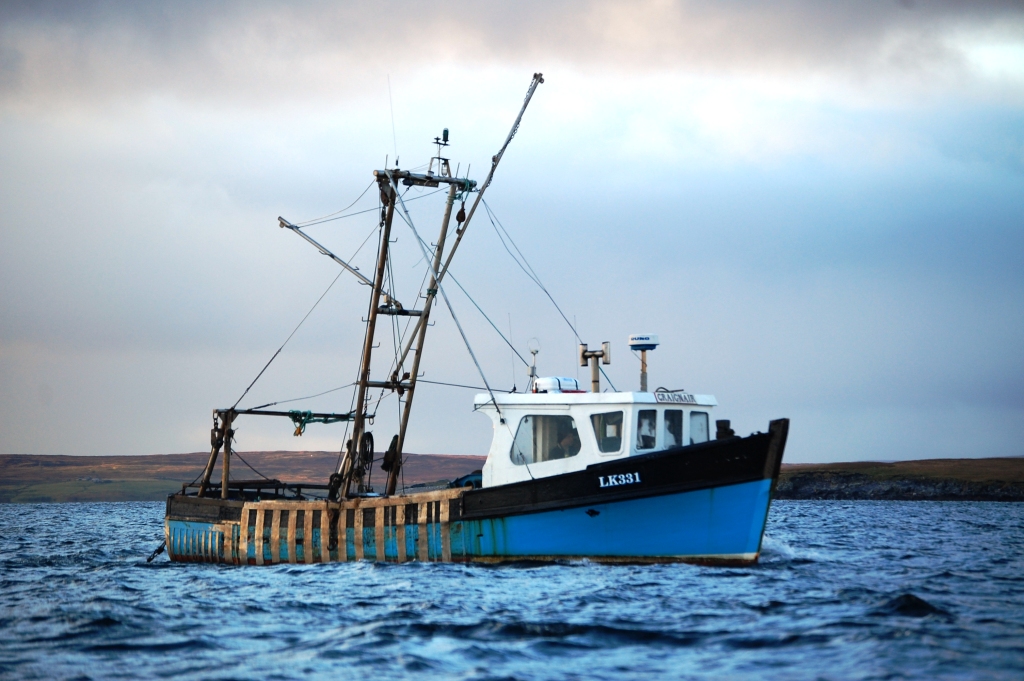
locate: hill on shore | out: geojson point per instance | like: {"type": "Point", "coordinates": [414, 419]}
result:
{"type": "Point", "coordinates": [29, 478]}
{"type": "Point", "coordinates": [992, 479]}
{"type": "Point", "coordinates": [33, 478]}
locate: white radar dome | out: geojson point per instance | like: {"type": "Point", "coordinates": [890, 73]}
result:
{"type": "Point", "coordinates": [643, 341]}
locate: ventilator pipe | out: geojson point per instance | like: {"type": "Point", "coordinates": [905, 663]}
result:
{"type": "Point", "coordinates": [604, 354]}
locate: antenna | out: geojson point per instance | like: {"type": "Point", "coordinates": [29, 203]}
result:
{"type": "Point", "coordinates": [394, 138]}
{"type": "Point", "coordinates": [534, 346]}
{"type": "Point", "coordinates": [643, 342]}
{"type": "Point", "coordinates": [443, 166]}
{"type": "Point", "coordinates": [512, 354]}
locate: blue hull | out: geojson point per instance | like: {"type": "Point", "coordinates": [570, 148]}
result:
{"type": "Point", "coordinates": [722, 524]}
{"type": "Point", "coordinates": [717, 525]}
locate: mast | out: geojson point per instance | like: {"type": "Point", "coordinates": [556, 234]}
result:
{"type": "Point", "coordinates": [229, 433]}
{"type": "Point", "coordinates": [352, 468]}
{"type": "Point", "coordinates": [360, 447]}
{"type": "Point", "coordinates": [394, 459]}
{"type": "Point", "coordinates": [395, 463]}
{"type": "Point", "coordinates": [219, 436]}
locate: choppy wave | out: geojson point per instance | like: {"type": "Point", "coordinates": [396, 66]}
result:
{"type": "Point", "coordinates": [863, 590]}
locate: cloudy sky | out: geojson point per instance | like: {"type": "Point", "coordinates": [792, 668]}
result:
{"type": "Point", "coordinates": [818, 206]}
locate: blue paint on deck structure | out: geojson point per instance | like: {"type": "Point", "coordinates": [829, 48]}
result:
{"type": "Point", "coordinates": [390, 543]}
{"type": "Point", "coordinates": [317, 545]}
{"type": "Point", "coordinates": [195, 541]}
{"type": "Point", "coordinates": [724, 521]}
{"type": "Point", "coordinates": [350, 543]}
{"type": "Point", "coordinates": [369, 543]}
{"type": "Point", "coordinates": [268, 556]}
{"type": "Point", "coordinates": [434, 541]}
{"type": "Point", "coordinates": [412, 533]}
{"type": "Point", "coordinates": [250, 553]}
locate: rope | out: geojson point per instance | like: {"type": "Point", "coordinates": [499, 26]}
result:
{"type": "Point", "coordinates": [250, 466]}
{"type": "Point", "coordinates": [198, 476]}
{"type": "Point", "coordinates": [302, 418]}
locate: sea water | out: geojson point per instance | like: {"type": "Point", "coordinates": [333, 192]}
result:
{"type": "Point", "coordinates": [844, 590]}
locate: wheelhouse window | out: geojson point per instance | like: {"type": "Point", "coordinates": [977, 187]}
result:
{"type": "Point", "coordinates": [608, 430]}
{"type": "Point", "coordinates": [544, 438]}
{"type": "Point", "coordinates": [698, 427]}
{"type": "Point", "coordinates": [646, 424]}
{"type": "Point", "coordinates": [673, 428]}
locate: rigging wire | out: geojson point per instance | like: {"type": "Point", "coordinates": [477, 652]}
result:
{"type": "Point", "coordinates": [493, 326]}
{"type": "Point", "coordinates": [524, 265]}
{"type": "Point", "coordinates": [307, 222]}
{"type": "Point", "coordinates": [307, 397]}
{"type": "Point", "coordinates": [300, 324]}
{"type": "Point", "coordinates": [408, 220]}
{"type": "Point", "coordinates": [287, 339]}
{"type": "Point", "coordinates": [360, 212]}
{"type": "Point", "coordinates": [387, 285]}
{"type": "Point", "coordinates": [459, 385]}
{"type": "Point", "coordinates": [366, 330]}
{"type": "Point", "coordinates": [480, 310]}
{"type": "Point", "coordinates": [466, 293]}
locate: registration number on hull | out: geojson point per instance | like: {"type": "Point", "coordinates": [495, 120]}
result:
{"type": "Point", "coordinates": [621, 479]}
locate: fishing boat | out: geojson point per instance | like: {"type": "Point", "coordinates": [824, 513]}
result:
{"type": "Point", "coordinates": [600, 475]}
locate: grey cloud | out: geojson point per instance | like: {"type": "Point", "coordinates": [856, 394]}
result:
{"type": "Point", "coordinates": [77, 51]}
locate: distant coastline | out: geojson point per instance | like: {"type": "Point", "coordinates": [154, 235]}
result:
{"type": "Point", "coordinates": [28, 478]}
{"type": "Point", "coordinates": [993, 479]}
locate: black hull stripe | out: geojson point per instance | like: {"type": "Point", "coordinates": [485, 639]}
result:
{"type": "Point", "coordinates": [682, 469]}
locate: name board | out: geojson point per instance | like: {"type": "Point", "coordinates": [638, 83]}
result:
{"type": "Point", "coordinates": [675, 398]}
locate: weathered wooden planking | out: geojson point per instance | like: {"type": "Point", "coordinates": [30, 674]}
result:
{"type": "Point", "coordinates": [358, 531]}
{"type": "Point", "coordinates": [400, 533]}
{"type": "Point", "coordinates": [380, 517]}
{"type": "Point", "coordinates": [307, 539]}
{"type": "Point", "coordinates": [446, 540]}
{"type": "Point", "coordinates": [259, 535]}
{"type": "Point", "coordinates": [273, 537]}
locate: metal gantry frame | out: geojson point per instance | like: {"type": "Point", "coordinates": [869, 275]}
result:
{"type": "Point", "coordinates": [351, 468]}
